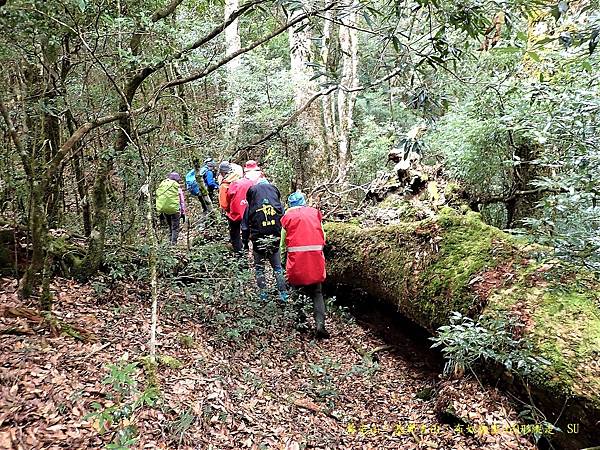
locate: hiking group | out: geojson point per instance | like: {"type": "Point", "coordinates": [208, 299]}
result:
{"type": "Point", "coordinates": [256, 216]}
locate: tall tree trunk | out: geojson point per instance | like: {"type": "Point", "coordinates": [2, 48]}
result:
{"type": "Point", "coordinates": [233, 44]}
{"type": "Point", "coordinates": [51, 144]}
{"type": "Point", "coordinates": [78, 169]}
{"type": "Point", "coordinates": [309, 153]}
{"type": "Point", "coordinates": [30, 281]}
{"type": "Point", "coordinates": [95, 252]}
{"type": "Point", "coordinates": [185, 113]}
{"type": "Point", "coordinates": [327, 101]}
{"type": "Point", "coordinates": [349, 80]}
{"type": "Point", "coordinates": [34, 157]}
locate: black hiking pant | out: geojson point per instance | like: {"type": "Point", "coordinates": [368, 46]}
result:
{"type": "Point", "coordinates": [235, 234]}
{"type": "Point", "coordinates": [202, 202]}
{"type": "Point", "coordinates": [315, 293]}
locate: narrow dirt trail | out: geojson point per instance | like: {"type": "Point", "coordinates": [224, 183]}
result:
{"type": "Point", "coordinates": [234, 374]}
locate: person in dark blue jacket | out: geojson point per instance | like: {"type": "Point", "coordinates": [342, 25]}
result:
{"type": "Point", "coordinates": [196, 187]}
{"type": "Point", "coordinates": [262, 225]}
{"type": "Point", "coordinates": [208, 175]}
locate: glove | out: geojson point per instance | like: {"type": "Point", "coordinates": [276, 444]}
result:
{"type": "Point", "coordinates": [183, 218]}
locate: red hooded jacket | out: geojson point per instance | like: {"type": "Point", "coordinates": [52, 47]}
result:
{"type": "Point", "coordinates": [304, 241]}
{"type": "Point", "coordinates": [236, 196]}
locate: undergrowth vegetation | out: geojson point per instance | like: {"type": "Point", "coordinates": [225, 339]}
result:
{"type": "Point", "coordinates": [473, 345]}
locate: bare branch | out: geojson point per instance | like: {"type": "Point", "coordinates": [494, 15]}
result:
{"type": "Point", "coordinates": [16, 139]}
{"type": "Point", "coordinates": [378, 81]}
{"type": "Point", "coordinates": [289, 121]}
{"type": "Point", "coordinates": [166, 11]}
{"type": "Point", "coordinates": [79, 134]}
{"type": "Point", "coordinates": [508, 197]}
{"type": "Point", "coordinates": [200, 74]}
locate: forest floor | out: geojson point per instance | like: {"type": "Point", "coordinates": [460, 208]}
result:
{"type": "Point", "coordinates": [233, 373]}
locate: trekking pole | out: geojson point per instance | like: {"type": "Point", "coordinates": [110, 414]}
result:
{"type": "Point", "coordinates": [188, 235]}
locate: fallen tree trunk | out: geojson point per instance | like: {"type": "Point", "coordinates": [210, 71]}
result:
{"type": "Point", "coordinates": [15, 251]}
{"type": "Point", "coordinates": [453, 262]}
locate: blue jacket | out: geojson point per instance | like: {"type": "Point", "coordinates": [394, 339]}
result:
{"type": "Point", "coordinates": [209, 178]}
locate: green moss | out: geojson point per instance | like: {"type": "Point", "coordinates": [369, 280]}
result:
{"type": "Point", "coordinates": [169, 361]}
{"type": "Point", "coordinates": [150, 370]}
{"type": "Point", "coordinates": [565, 325]}
{"type": "Point", "coordinates": [186, 340]}
{"type": "Point", "coordinates": [467, 248]}
{"type": "Point", "coordinates": [451, 189]}
{"type": "Point", "coordinates": [427, 264]}
{"type": "Point", "coordinates": [432, 267]}
{"type": "Point", "coordinates": [567, 332]}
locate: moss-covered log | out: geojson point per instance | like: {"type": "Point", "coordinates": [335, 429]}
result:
{"type": "Point", "coordinates": [15, 254]}
{"type": "Point", "coordinates": [455, 262]}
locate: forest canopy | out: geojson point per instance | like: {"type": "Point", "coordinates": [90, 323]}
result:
{"type": "Point", "coordinates": [103, 97]}
{"type": "Point", "coordinates": [480, 117]}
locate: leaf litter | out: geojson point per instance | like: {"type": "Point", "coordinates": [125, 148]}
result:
{"type": "Point", "coordinates": [266, 386]}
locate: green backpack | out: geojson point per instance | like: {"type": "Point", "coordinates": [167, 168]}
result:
{"type": "Point", "coordinates": [167, 197]}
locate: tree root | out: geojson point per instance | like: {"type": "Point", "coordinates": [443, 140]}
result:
{"type": "Point", "coordinates": [46, 321]}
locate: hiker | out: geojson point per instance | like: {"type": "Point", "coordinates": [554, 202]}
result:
{"type": "Point", "coordinates": [170, 203]}
{"type": "Point", "coordinates": [232, 168]}
{"type": "Point", "coordinates": [252, 171]}
{"type": "Point", "coordinates": [262, 220]}
{"type": "Point", "coordinates": [198, 188]}
{"type": "Point", "coordinates": [227, 175]}
{"type": "Point", "coordinates": [208, 175]}
{"type": "Point", "coordinates": [234, 205]}
{"type": "Point", "coordinates": [303, 238]}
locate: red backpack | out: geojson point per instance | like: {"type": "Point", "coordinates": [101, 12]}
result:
{"type": "Point", "coordinates": [237, 198]}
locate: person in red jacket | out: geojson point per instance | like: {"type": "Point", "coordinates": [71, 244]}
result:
{"type": "Point", "coordinates": [235, 207]}
{"type": "Point", "coordinates": [303, 238]}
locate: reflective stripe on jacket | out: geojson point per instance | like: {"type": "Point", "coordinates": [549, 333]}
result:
{"type": "Point", "coordinates": [304, 240]}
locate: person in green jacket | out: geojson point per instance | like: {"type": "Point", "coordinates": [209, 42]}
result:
{"type": "Point", "coordinates": [170, 203]}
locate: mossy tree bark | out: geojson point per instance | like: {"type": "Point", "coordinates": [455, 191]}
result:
{"type": "Point", "coordinates": [95, 255]}
{"type": "Point", "coordinates": [79, 170]}
{"type": "Point", "coordinates": [35, 153]}
{"type": "Point", "coordinates": [453, 262]}
{"type": "Point", "coordinates": [38, 233]}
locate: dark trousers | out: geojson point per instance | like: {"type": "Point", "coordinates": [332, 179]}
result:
{"type": "Point", "coordinates": [235, 234]}
{"type": "Point", "coordinates": [173, 223]}
{"type": "Point", "coordinates": [315, 293]}
{"type": "Point", "coordinates": [202, 202]}
{"type": "Point", "coordinates": [275, 262]}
